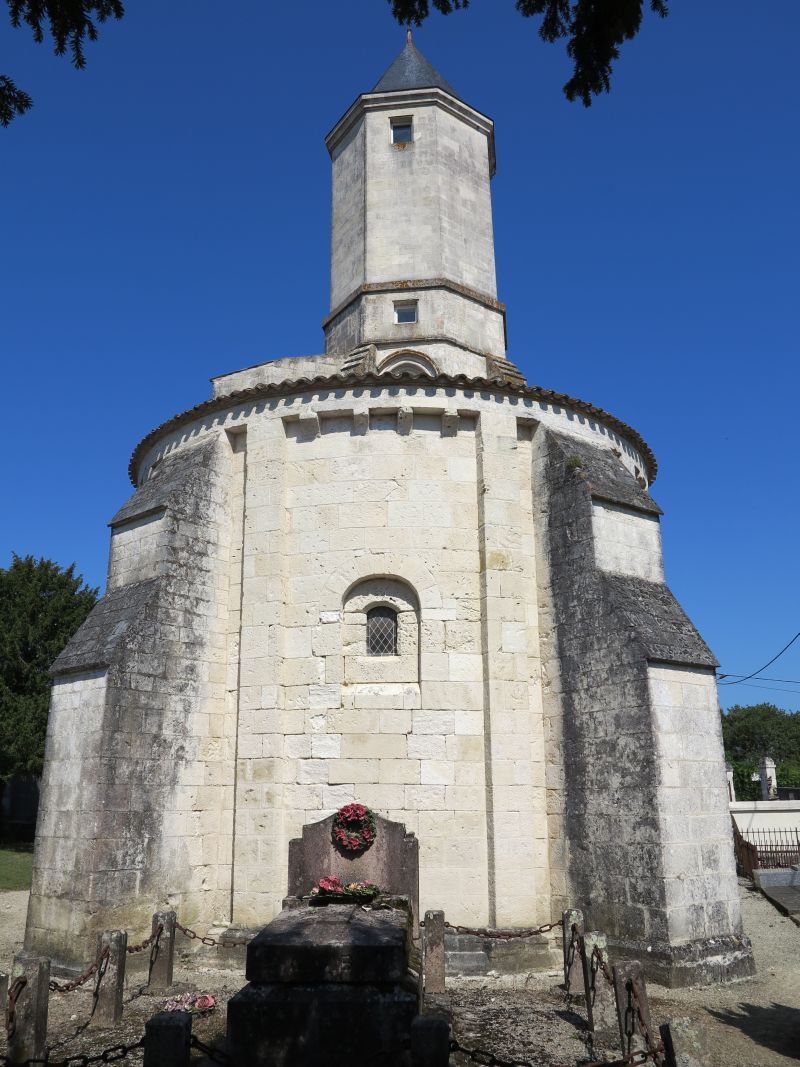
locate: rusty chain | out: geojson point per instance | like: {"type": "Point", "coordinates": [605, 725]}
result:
{"type": "Point", "coordinates": [76, 983]}
{"type": "Point", "coordinates": [14, 991]}
{"type": "Point", "coordinates": [490, 1059]}
{"type": "Point", "coordinates": [500, 935]}
{"type": "Point", "coordinates": [214, 1054]}
{"type": "Point", "coordinates": [654, 1048]}
{"type": "Point", "coordinates": [486, 1058]}
{"type": "Point", "coordinates": [68, 987]}
{"type": "Point", "coordinates": [224, 942]}
{"type": "Point", "coordinates": [631, 1060]}
{"type": "Point", "coordinates": [108, 1055]}
{"type": "Point", "coordinates": [148, 941]}
{"type": "Point", "coordinates": [575, 944]}
{"type": "Point", "coordinates": [598, 963]}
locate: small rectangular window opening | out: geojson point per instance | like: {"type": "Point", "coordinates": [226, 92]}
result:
{"type": "Point", "coordinates": [402, 131]}
{"type": "Point", "coordinates": [405, 312]}
{"type": "Point", "coordinates": [381, 632]}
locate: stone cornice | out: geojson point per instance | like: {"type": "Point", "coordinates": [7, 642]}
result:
{"type": "Point", "coordinates": [353, 379]}
{"type": "Point", "coordinates": [410, 285]}
{"type": "Point", "coordinates": [414, 98]}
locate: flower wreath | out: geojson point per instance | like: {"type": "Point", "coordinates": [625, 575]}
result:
{"type": "Point", "coordinates": [354, 828]}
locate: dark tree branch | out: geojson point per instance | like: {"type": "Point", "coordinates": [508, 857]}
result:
{"type": "Point", "coordinates": [13, 101]}
{"type": "Point", "coordinates": [594, 30]}
{"type": "Point", "coordinates": [69, 22]}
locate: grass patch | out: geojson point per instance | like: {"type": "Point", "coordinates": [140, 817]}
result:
{"type": "Point", "coordinates": [16, 863]}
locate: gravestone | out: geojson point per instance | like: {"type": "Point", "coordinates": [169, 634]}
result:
{"type": "Point", "coordinates": [328, 987]}
{"type": "Point", "coordinates": [391, 862]}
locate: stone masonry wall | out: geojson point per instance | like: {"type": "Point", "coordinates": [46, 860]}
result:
{"type": "Point", "coordinates": [617, 843]}
{"type": "Point", "coordinates": [356, 504]}
{"type": "Point", "coordinates": [224, 690]}
{"type": "Point", "coordinates": [137, 790]}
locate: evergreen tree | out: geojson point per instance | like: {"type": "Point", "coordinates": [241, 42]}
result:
{"type": "Point", "coordinates": [593, 31]}
{"type": "Point", "coordinates": [41, 607]}
{"type": "Point", "coordinates": [70, 22]}
{"type": "Point", "coordinates": [752, 731]}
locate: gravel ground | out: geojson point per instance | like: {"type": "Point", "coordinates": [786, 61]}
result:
{"type": "Point", "coordinates": [751, 1023]}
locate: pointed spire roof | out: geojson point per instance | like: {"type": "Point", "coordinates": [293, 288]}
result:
{"type": "Point", "coordinates": [411, 70]}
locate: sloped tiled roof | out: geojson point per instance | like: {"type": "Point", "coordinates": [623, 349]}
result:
{"type": "Point", "coordinates": [362, 378]}
{"type": "Point", "coordinates": [411, 70]}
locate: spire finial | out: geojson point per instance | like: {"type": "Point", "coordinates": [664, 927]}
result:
{"type": "Point", "coordinates": [408, 35]}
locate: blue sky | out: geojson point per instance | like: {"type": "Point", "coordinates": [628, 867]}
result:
{"type": "Point", "coordinates": [166, 215]}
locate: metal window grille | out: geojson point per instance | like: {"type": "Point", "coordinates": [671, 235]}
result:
{"type": "Point", "coordinates": [381, 632]}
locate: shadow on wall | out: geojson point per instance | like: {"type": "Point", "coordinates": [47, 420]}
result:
{"type": "Point", "coordinates": [776, 1027]}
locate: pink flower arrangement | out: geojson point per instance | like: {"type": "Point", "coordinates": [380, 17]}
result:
{"type": "Point", "coordinates": [331, 886]}
{"type": "Point", "coordinates": [194, 1003]}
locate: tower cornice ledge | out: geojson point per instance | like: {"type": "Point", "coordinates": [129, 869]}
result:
{"type": "Point", "coordinates": [357, 379]}
{"type": "Point", "coordinates": [391, 101]}
{"type": "Point", "coordinates": [416, 283]}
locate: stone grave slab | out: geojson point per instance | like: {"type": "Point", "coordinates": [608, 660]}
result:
{"type": "Point", "coordinates": [335, 943]}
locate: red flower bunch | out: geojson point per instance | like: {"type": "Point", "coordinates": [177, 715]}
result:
{"type": "Point", "coordinates": [354, 828]}
{"type": "Point", "coordinates": [331, 886]}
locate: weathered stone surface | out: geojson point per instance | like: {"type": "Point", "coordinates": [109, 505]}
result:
{"type": "Point", "coordinates": [644, 819]}
{"type": "Point", "coordinates": [167, 1037]}
{"type": "Point", "coordinates": [320, 1026]}
{"type": "Point", "coordinates": [633, 1006]}
{"type": "Point", "coordinates": [166, 484]}
{"type": "Point", "coordinates": [433, 963]}
{"type": "Point", "coordinates": [29, 1039]}
{"type": "Point", "coordinates": [572, 925]}
{"type": "Point", "coordinates": [334, 943]}
{"type": "Point", "coordinates": [605, 476]}
{"type": "Point", "coordinates": [392, 862]}
{"type": "Point", "coordinates": [657, 622]}
{"type": "Point", "coordinates": [108, 1009]}
{"type": "Point", "coordinates": [98, 639]}
{"type": "Point", "coordinates": [601, 1006]}
{"type": "Point", "coordinates": [430, 1041]}
{"type": "Point", "coordinates": [152, 733]}
{"type": "Point", "coordinates": [162, 957]}
{"type": "Point", "coordinates": [470, 954]}
{"type": "Point", "coordinates": [687, 1044]}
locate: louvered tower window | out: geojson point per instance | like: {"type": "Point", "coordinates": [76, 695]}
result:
{"type": "Point", "coordinates": [381, 632]}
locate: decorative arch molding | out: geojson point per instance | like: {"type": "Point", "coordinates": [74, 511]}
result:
{"type": "Point", "coordinates": [408, 359]}
{"type": "Point", "coordinates": [404, 569]}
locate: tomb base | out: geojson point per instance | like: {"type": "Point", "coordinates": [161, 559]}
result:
{"type": "Point", "coordinates": [711, 959]}
{"type": "Point", "coordinates": [321, 1025]}
{"type": "Point", "coordinates": [330, 987]}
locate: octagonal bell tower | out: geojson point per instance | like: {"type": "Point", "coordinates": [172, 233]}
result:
{"type": "Point", "coordinates": [412, 244]}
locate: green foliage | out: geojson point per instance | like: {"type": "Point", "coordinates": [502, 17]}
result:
{"type": "Point", "coordinates": [41, 607]}
{"type": "Point", "coordinates": [594, 32]}
{"type": "Point", "coordinates": [70, 23]}
{"type": "Point", "coordinates": [743, 784]}
{"type": "Point", "coordinates": [756, 730]}
{"type": "Point", "coordinates": [789, 773]}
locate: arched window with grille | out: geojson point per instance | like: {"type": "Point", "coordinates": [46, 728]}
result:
{"type": "Point", "coordinates": [381, 632]}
